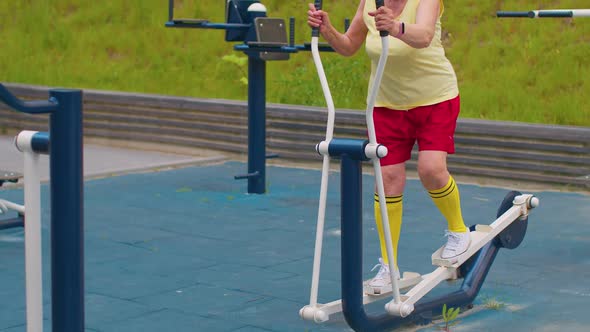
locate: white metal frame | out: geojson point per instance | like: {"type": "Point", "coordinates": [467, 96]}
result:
{"type": "Point", "coordinates": [5, 206]}
{"type": "Point", "coordinates": [33, 248]}
{"type": "Point", "coordinates": [320, 312]}
{"type": "Point", "coordinates": [374, 151]}
{"type": "Point", "coordinates": [322, 146]}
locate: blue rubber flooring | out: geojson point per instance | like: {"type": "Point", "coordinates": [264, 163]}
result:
{"type": "Point", "coordinates": [189, 250]}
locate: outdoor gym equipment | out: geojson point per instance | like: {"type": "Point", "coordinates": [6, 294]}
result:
{"type": "Point", "coordinates": [264, 39]}
{"type": "Point", "coordinates": [66, 189]}
{"type": "Point", "coordinates": [548, 13]}
{"type": "Point", "coordinates": [507, 231]}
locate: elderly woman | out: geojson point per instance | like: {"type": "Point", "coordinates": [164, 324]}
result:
{"type": "Point", "coordinates": [417, 101]}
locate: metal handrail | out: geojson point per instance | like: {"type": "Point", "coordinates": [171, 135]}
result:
{"type": "Point", "coordinates": [30, 107]}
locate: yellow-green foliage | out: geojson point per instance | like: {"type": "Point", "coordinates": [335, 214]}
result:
{"type": "Point", "coordinates": [509, 69]}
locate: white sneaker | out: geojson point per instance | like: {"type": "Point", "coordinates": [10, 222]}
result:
{"type": "Point", "coordinates": [457, 243]}
{"type": "Point", "coordinates": [381, 283]}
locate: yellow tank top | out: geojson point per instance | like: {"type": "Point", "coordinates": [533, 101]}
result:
{"type": "Point", "coordinates": [412, 77]}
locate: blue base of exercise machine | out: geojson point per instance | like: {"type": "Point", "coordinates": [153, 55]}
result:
{"type": "Point", "coordinates": [473, 272]}
{"type": "Point", "coordinates": [12, 223]}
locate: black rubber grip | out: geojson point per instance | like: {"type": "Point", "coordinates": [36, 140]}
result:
{"type": "Point", "coordinates": [315, 32]}
{"type": "Point", "coordinates": [514, 14]}
{"type": "Point", "coordinates": [556, 13]}
{"type": "Point", "coordinates": [291, 31]}
{"type": "Point", "coordinates": [318, 4]}
{"type": "Point", "coordinates": [379, 4]}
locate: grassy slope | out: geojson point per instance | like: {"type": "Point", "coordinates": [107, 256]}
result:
{"type": "Point", "coordinates": [509, 69]}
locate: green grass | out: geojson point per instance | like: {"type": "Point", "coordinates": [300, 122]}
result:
{"type": "Point", "coordinates": [509, 69]}
{"type": "Point", "coordinates": [494, 304]}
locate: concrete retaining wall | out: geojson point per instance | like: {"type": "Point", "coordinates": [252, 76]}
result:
{"type": "Point", "coordinates": [558, 155]}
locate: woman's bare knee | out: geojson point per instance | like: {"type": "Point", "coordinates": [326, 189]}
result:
{"type": "Point", "coordinates": [394, 179]}
{"type": "Point", "coordinates": [432, 169]}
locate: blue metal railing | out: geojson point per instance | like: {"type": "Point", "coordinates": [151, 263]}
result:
{"type": "Point", "coordinates": [29, 107]}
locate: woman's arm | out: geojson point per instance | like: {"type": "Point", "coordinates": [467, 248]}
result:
{"type": "Point", "coordinates": [418, 35]}
{"type": "Point", "coordinates": [347, 43]}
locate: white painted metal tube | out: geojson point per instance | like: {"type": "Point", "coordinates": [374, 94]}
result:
{"type": "Point", "coordinates": [581, 12]}
{"type": "Point", "coordinates": [23, 140]}
{"type": "Point", "coordinates": [405, 308]}
{"type": "Point", "coordinates": [317, 257]}
{"type": "Point", "coordinates": [322, 311]}
{"type": "Point", "coordinates": [375, 89]}
{"type": "Point", "coordinates": [6, 205]}
{"type": "Point", "coordinates": [377, 166]}
{"type": "Point", "coordinates": [33, 249]}
{"type": "Point", "coordinates": [315, 52]}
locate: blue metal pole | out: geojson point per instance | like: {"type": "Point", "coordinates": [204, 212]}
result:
{"type": "Point", "coordinates": [67, 215]}
{"type": "Point", "coordinates": [170, 10]}
{"type": "Point", "coordinates": [40, 142]}
{"type": "Point", "coordinates": [256, 125]}
{"type": "Point", "coordinates": [352, 252]}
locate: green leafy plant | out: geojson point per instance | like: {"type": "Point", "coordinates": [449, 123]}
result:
{"type": "Point", "coordinates": [183, 190]}
{"type": "Point", "coordinates": [240, 62]}
{"type": "Point", "coordinates": [449, 317]}
{"type": "Point", "coordinates": [493, 304]}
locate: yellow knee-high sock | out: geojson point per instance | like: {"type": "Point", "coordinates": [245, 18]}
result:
{"type": "Point", "coordinates": [448, 201]}
{"type": "Point", "coordinates": [394, 214]}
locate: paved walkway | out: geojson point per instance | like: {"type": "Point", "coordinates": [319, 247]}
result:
{"type": "Point", "coordinates": [101, 160]}
{"type": "Point", "coordinates": [188, 250]}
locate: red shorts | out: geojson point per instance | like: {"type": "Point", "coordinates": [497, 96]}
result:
{"type": "Point", "coordinates": [433, 126]}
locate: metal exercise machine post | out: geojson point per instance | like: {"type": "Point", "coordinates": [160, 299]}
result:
{"type": "Point", "coordinates": [506, 231]}
{"type": "Point", "coordinates": [63, 144]}
{"type": "Point", "coordinates": [264, 39]}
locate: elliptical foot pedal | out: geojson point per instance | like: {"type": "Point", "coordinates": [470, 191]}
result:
{"type": "Point", "coordinates": [408, 280]}
{"type": "Point", "coordinates": [480, 232]}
